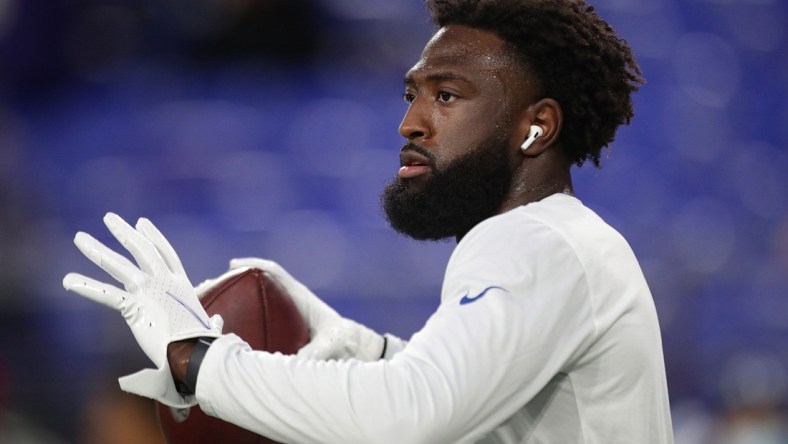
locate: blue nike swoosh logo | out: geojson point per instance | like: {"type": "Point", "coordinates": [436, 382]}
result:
{"type": "Point", "coordinates": [467, 300]}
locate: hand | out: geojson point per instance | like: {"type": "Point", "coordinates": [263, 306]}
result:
{"type": "Point", "coordinates": [332, 336]}
{"type": "Point", "coordinates": [159, 303]}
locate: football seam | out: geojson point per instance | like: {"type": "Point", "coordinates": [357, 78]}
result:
{"type": "Point", "coordinates": [264, 303]}
{"type": "Point", "coordinates": [219, 289]}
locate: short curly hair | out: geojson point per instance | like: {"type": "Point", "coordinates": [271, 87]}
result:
{"type": "Point", "coordinates": [575, 55]}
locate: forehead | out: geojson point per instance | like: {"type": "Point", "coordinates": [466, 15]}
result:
{"type": "Point", "coordinates": [464, 49]}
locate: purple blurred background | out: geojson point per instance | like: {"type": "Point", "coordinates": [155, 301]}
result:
{"type": "Point", "coordinates": [268, 127]}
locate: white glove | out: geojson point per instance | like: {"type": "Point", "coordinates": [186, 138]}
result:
{"type": "Point", "coordinates": [332, 336]}
{"type": "Point", "coordinates": [159, 303]}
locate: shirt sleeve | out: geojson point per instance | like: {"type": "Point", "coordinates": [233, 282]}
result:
{"type": "Point", "coordinates": [514, 314]}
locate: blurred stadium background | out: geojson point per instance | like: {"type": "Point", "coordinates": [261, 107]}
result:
{"type": "Point", "coordinates": [268, 127]}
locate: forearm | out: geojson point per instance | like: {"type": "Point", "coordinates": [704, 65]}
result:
{"type": "Point", "coordinates": [299, 400]}
{"type": "Point", "coordinates": [179, 354]}
{"type": "Point", "coordinates": [444, 387]}
{"type": "Point", "coordinates": [465, 373]}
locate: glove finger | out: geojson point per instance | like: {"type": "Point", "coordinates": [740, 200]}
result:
{"type": "Point", "coordinates": [163, 246]}
{"type": "Point", "coordinates": [272, 268]}
{"type": "Point", "coordinates": [149, 382]}
{"type": "Point", "coordinates": [139, 246]}
{"type": "Point", "coordinates": [205, 286]}
{"type": "Point", "coordinates": [216, 322]}
{"type": "Point", "coordinates": [311, 307]}
{"type": "Point", "coordinates": [113, 263]}
{"type": "Point", "coordinates": [316, 349]}
{"type": "Point", "coordinates": [156, 384]}
{"type": "Point", "coordinates": [330, 343]}
{"type": "Point", "coordinates": [96, 291]}
{"type": "Point", "coordinates": [255, 262]}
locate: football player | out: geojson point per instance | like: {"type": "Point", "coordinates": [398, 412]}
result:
{"type": "Point", "coordinates": [546, 331]}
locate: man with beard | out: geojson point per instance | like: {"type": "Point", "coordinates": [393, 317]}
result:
{"type": "Point", "coordinates": [546, 331]}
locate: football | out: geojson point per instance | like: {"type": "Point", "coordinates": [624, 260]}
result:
{"type": "Point", "coordinates": [257, 309]}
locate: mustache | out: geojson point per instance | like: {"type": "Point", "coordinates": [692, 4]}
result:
{"type": "Point", "coordinates": [410, 146]}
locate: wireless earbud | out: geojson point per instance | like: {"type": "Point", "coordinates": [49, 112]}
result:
{"type": "Point", "coordinates": [535, 133]}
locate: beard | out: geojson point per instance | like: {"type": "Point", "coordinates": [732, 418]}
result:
{"type": "Point", "coordinates": [455, 198]}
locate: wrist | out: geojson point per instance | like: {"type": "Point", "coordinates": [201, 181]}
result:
{"type": "Point", "coordinates": [178, 354]}
{"type": "Point", "coordinates": [199, 350]}
{"type": "Point", "coordinates": [185, 358]}
{"type": "Point", "coordinates": [371, 345]}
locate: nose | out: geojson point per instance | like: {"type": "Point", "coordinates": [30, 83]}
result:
{"type": "Point", "coordinates": [414, 125]}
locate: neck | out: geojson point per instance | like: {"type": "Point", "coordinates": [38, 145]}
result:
{"type": "Point", "coordinates": [537, 178]}
{"type": "Point", "coordinates": [533, 183]}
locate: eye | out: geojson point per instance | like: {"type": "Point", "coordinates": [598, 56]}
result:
{"type": "Point", "coordinates": [408, 97]}
{"type": "Point", "coordinates": [444, 96]}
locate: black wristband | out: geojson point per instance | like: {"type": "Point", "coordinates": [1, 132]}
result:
{"type": "Point", "coordinates": [195, 360]}
{"type": "Point", "coordinates": [385, 345]}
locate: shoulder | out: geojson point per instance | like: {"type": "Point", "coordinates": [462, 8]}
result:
{"type": "Point", "coordinates": [547, 224]}
{"type": "Point", "coordinates": [519, 248]}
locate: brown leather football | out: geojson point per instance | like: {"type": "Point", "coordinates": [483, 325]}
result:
{"type": "Point", "coordinates": [256, 308]}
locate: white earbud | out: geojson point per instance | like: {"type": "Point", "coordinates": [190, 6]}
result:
{"type": "Point", "coordinates": [535, 133]}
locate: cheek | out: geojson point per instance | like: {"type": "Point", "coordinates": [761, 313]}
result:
{"type": "Point", "coordinates": [456, 142]}
{"type": "Point", "coordinates": [461, 133]}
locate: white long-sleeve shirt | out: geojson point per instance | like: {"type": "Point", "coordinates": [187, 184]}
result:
{"type": "Point", "coordinates": [546, 333]}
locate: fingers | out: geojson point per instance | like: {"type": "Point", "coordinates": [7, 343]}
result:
{"type": "Point", "coordinates": [113, 263]}
{"type": "Point", "coordinates": [205, 286]}
{"type": "Point", "coordinates": [270, 267]}
{"type": "Point", "coordinates": [161, 244]}
{"type": "Point", "coordinates": [326, 346]}
{"type": "Point", "coordinates": [274, 270]}
{"type": "Point", "coordinates": [329, 342]}
{"type": "Point", "coordinates": [316, 350]}
{"type": "Point", "coordinates": [94, 290]}
{"type": "Point", "coordinates": [309, 305]}
{"type": "Point", "coordinates": [151, 383]}
{"type": "Point", "coordinates": [143, 250]}
{"type": "Point", "coordinates": [253, 262]}
{"type": "Point", "coordinates": [217, 323]}
{"type": "Point", "coordinates": [156, 384]}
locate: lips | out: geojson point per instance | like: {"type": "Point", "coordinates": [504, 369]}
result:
{"type": "Point", "coordinates": [412, 164]}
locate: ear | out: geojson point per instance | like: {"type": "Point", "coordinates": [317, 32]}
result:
{"type": "Point", "coordinates": [546, 114]}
